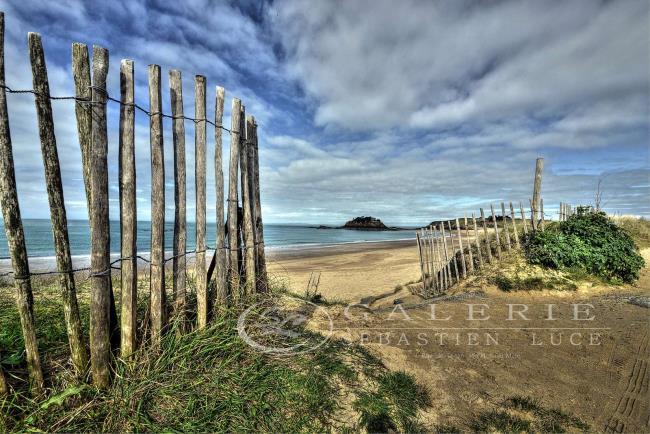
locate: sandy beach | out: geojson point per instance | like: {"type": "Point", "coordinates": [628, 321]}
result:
{"type": "Point", "coordinates": [349, 272]}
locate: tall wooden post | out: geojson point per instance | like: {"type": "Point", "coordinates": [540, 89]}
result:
{"type": "Point", "coordinates": [233, 265]}
{"type": "Point", "coordinates": [15, 234]}
{"type": "Point", "coordinates": [57, 203]}
{"type": "Point", "coordinates": [418, 238]}
{"type": "Point", "coordinates": [427, 260]}
{"type": "Point", "coordinates": [128, 214]}
{"type": "Point", "coordinates": [440, 265]}
{"type": "Point", "coordinates": [462, 252]}
{"type": "Point", "coordinates": [488, 248]}
{"type": "Point", "coordinates": [83, 112]}
{"type": "Point", "coordinates": [446, 254]}
{"type": "Point", "coordinates": [469, 246]}
{"type": "Point", "coordinates": [100, 296]}
{"type": "Point", "coordinates": [478, 243]}
{"type": "Point", "coordinates": [249, 236]}
{"type": "Point", "coordinates": [496, 232]}
{"type": "Point", "coordinates": [432, 257]}
{"type": "Point", "coordinates": [523, 217]}
{"type": "Point", "coordinates": [179, 261]}
{"type": "Point", "coordinates": [514, 224]}
{"type": "Point", "coordinates": [537, 191]}
{"type": "Point", "coordinates": [220, 252]}
{"type": "Point", "coordinates": [453, 251]}
{"type": "Point", "coordinates": [506, 230]}
{"type": "Point", "coordinates": [262, 278]}
{"type": "Point", "coordinates": [200, 167]}
{"type": "Point", "coordinates": [157, 267]}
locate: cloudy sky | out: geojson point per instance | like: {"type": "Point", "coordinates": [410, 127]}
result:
{"type": "Point", "coordinates": [407, 111]}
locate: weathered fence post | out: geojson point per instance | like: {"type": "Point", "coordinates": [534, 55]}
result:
{"type": "Point", "coordinates": [469, 247]}
{"type": "Point", "coordinates": [199, 168]}
{"type": "Point", "coordinates": [262, 278]}
{"type": "Point", "coordinates": [429, 257]}
{"type": "Point", "coordinates": [15, 235]}
{"type": "Point", "coordinates": [421, 256]}
{"type": "Point", "coordinates": [496, 232]}
{"type": "Point", "coordinates": [128, 214]}
{"type": "Point", "coordinates": [514, 224]}
{"type": "Point", "coordinates": [453, 251]}
{"type": "Point", "coordinates": [478, 243]}
{"type": "Point", "coordinates": [505, 226]}
{"type": "Point", "coordinates": [220, 252]}
{"type": "Point", "coordinates": [83, 112]}
{"type": "Point", "coordinates": [462, 253]}
{"type": "Point", "coordinates": [249, 236]}
{"type": "Point", "coordinates": [233, 265]}
{"type": "Point", "coordinates": [537, 190]}
{"type": "Point", "coordinates": [433, 260]}
{"type": "Point", "coordinates": [488, 248]}
{"type": "Point", "coordinates": [100, 296]}
{"type": "Point", "coordinates": [4, 386]}
{"type": "Point", "coordinates": [441, 269]}
{"type": "Point", "coordinates": [444, 248]}
{"type": "Point", "coordinates": [57, 204]}
{"type": "Point", "coordinates": [523, 217]}
{"type": "Point", "coordinates": [541, 209]}
{"type": "Point", "coordinates": [179, 260]}
{"type": "Point", "coordinates": [157, 267]}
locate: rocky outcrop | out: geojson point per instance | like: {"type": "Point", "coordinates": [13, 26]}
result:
{"type": "Point", "coordinates": [366, 223]}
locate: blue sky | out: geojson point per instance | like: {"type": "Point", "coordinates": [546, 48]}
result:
{"type": "Point", "coordinates": [408, 113]}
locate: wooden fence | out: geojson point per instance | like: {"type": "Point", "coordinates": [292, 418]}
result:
{"type": "Point", "coordinates": [238, 263]}
{"type": "Point", "coordinates": [449, 251]}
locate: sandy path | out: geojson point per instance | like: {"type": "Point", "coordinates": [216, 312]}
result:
{"type": "Point", "coordinates": [596, 370]}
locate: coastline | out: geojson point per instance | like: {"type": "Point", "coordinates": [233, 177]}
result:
{"type": "Point", "coordinates": [273, 253]}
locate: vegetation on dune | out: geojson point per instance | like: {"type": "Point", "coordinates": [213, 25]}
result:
{"type": "Point", "coordinates": [208, 380]}
{"type": "Point", "coordinates": [638, 228]}
{"type": "Point", "coordinates": [588, 241]}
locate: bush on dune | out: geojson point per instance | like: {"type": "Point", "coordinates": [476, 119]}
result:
{"type": "Point", "coordinates": [589, 241]}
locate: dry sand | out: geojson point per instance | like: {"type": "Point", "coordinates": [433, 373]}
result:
{"type": "Point", "coordinates": [348, 271]}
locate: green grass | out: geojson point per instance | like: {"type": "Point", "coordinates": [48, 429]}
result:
{"type": "Point", "coordinates": [638, 228]}
{"type": "Point", "coordinates": [532, 283]}
{"type": "Point", "coordinates": [207, 380]}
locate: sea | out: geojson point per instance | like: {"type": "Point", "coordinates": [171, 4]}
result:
{"type": "Point", "coordinates": [38, 236]}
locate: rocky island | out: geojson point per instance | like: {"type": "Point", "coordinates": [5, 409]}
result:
{"type": "Point", "coordinates": [366, 223]}
{"type": "Point", "coordinates": [362, 223]}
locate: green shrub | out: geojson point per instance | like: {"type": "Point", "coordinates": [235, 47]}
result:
{"type": "Point", "coordinates": [588, 241]}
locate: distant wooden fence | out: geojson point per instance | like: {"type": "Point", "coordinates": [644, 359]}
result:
{"type": "Point", "coordinates": [238, 262]}
{"type": "Point", "coordinates": [449, 251]}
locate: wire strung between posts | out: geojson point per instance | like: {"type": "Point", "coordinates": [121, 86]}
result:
{"type": "Point", "coordinates": [112, 266]}
{"type": "Point", "coordinates": [86, 101]}
{"type": "Point", "coordinates": [90, 102]}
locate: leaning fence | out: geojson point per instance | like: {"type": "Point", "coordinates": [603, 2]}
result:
{"type": "Point", "coordinates": [450, 251]}
{"type": "Point", "coordinates": [238, 265]}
